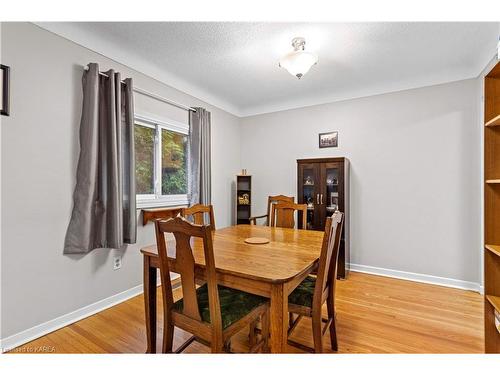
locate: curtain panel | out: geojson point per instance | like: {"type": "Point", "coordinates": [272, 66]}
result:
{"type": "Point", "coordinates": [104, 207]}
{"type": "Point", "coordinates": [200, 157]}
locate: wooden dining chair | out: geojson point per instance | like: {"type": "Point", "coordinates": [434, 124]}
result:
{"type": "Point", "coordinates": [272, 199]}
{"type": "Point", "coordinates": [308, 298]}
{"type": "Point", "coordinates": [211, 313]}
{"type": "Point", "coordinates": [283, 214]}
{"type": "Point", "coordinates": [198, 212]}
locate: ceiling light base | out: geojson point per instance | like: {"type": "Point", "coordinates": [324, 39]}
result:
{"type": "Point", "coordinates": [298, 43]}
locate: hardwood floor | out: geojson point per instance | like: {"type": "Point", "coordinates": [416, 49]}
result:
{"type": "Point", "coordinates": [374, 315]}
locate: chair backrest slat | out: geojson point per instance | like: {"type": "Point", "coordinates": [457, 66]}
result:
{"type": "Point", "coordinates": [283, 215]}
{"type": "Point", "coordinates": [185, 265]}
{"type": "Point", "coordinates": [327, 269]}
{"type": "Point", "coordinates": [184, 233]}
{"type": "Point", "coordinates": [198, 212]}
{"type": "Point", "coordinates": [273, 199]}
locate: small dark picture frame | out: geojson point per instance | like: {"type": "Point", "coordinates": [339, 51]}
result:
{"type": "Point", "coordinates": [330, 139]}
{"type": "Point", "coordinates": [5, 88]}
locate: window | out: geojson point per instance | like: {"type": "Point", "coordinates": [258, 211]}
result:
{"type": "Point", "coordinates": [161, 162]}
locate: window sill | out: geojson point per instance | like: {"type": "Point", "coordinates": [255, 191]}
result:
{"type": "Point", "coordinates": [151, 214]}
{"type": "Point", "coordinates": [170, 201]}
{"type": "Point", "coordinates": [161, 208]}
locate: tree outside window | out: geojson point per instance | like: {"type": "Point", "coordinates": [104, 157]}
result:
{"type": "Point", "coordinates": [161, 163]}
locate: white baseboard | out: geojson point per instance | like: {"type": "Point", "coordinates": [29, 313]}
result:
{"type": "Point", "coordinates": [418, 277]}
{"type": "Point", "coordinates": [481, 289]}
{"type": "Point", "coordinates": [33, 333]}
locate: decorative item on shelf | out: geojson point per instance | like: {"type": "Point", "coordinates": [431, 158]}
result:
{"type": "Point", "coordinates": [328, 139]}
{"type": "Point", "coordinates": [334, 198]}
{"type": "Point", "coordinates": [243, 172]}
{"type": "Point", "coordinates": [4, 90]}
{"type": "Point", "coordinates": [332, 181]}
{"type": "Point", "coordinates": [309, 181]}
{"type": "Point", "coordinates": [309, 201]}
{"type": "Point", "coordinates": [244, 199]}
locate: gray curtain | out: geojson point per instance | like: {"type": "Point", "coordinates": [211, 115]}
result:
{"type": "Point", "coordinates": [200, 165]}
{"type": "Point", "coordinates": [104, 210]}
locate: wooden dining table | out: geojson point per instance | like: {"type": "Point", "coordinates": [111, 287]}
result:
{"type": "Point", "coordinates": [272, 270]}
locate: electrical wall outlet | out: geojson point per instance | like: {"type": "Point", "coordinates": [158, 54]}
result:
{"type": "Point", "coordinates": [117, 262]}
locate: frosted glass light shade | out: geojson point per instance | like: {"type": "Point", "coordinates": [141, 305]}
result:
{"type": "Point", "coordinates": [298, 62]}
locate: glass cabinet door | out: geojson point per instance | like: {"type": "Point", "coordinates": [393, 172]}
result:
{"type": "Point", "coordinates": [332, 189]}
{"type": "Point", "coordinates": [329, 197]}
{"type": "Point", "coordinates": [309, 181]}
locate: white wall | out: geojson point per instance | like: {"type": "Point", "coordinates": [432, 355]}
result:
{"type": "Point", "coordinates": [39, 152]}
{"type": "Point", "coordinates": [415, 173]}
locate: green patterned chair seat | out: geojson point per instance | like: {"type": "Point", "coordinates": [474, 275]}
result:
{"type": "Point", "coordinates": [234, 304]}
{"type": "Point", "coordinates": [303, 294]}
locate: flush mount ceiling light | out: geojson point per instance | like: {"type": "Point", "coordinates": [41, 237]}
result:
{"type": "Point", "coordinates": [298, 62]}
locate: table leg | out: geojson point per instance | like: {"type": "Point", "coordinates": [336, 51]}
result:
{"type": "Point", "coordinates": [278, 321]}
{"type": "Point", "coordinates": [150, 304]}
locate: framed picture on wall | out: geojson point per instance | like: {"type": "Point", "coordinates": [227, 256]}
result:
{"type": "Point", "coordinates": [330, 139]}
{"type": "Point", "coordinates": [4, 89]}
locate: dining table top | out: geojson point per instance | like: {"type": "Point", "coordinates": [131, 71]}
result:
{"type": "Point", "coordinates": [288, 253]}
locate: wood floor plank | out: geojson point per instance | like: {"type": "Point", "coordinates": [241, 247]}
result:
{"type": "Point", "coordinates": [374, 315]}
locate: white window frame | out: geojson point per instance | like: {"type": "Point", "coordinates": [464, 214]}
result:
{"type": "Point", "coordinates": [157, 199]}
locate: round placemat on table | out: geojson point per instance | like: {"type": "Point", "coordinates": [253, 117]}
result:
{"type": "Point", "coordinates": [256, 240]}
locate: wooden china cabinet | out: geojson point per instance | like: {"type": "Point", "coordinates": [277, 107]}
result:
{"type": "Point", "coordinates": [323, 184]}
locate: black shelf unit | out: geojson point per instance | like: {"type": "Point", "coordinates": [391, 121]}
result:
{"type": "Point", "coordinates": [243, 188]}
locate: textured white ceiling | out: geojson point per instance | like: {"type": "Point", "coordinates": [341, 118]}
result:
{"type": "Point", "coordinates": [235, 65]}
